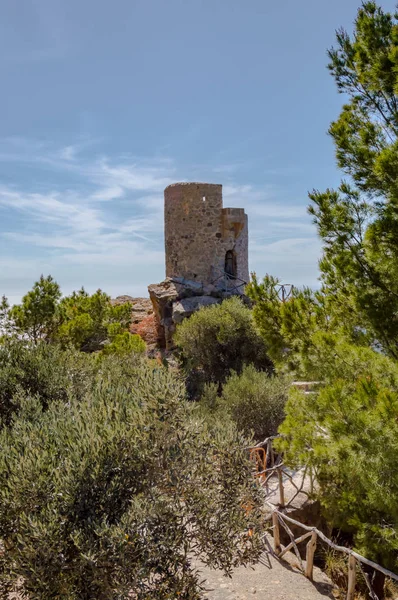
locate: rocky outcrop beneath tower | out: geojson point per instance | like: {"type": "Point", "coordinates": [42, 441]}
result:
{"type": "Point", "coordinates": [175, 299]}
{"type": "Point", "coordinates": [143, 321]}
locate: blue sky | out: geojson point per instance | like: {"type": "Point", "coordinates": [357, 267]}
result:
{"type": "Point", "coordinates": [105, 103]}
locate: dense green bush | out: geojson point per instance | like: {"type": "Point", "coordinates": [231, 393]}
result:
{"type": "Point", "coordinates": [219, 339]}
{"type": "Point", "coordinates": [114, 494]}
{"type": "Point", "coordinates": [50, 374]}
{"type": "Point", "coordinates": [89, 322]}
{"type": "Point", "coordinates": [288, 327]}
{"type": "Point", "coordinates": [86, 322]}
{"type": "Point", "coordinates": [124, 344]}
{"type": "Point", "coordinates": [348, 432]}
{"type": "Point", "coordinates": [35, 317]}
{"type": "Point", "coordinates": [348, 429]}
{"type": "Point", "coordinates": [256, 401]}
{"type": "Point", "coordinates": [43, 371]}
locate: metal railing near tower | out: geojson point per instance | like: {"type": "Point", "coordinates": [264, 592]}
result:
{"type": "Point", "coordinates": [227, 282]}
{"type": "Point", "coordinates": [284, 291]}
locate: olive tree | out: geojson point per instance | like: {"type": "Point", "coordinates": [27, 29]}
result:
{"type": "Point", "coordinates": [113, 495]}
{"type": "Point", "coordinates": [220, 339]}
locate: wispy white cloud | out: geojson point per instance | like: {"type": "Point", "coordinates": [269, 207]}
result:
{"type": "Point", "coordinates": [125, 255]}
{"type": "Point", "coordinates": [133, 176]}
{"type": "Point", "coordinates": [262, 201]}
{"type": "Point", "coordinates": [68, 153]}
{"type": "Point", "coordinates": [98, 221]}
{"type": "Point", "coordinates": [54, 207]}
{"type": "Point", "coordinates": [108, 193]}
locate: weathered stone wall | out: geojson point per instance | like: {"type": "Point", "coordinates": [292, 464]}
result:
{"type": "Point", "coordinates": [199, 232]}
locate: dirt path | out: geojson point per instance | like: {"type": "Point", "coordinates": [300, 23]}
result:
{"type": "Point", "coordinates": [270, 579]}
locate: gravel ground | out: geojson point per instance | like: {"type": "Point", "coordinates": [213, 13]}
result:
{"type": "Point", "coordinates": [270, 579]}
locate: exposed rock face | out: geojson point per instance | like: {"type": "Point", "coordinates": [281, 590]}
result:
{"type": "Point", "coordinates": [176, 298]}
{"type": "Point", "coordinates": [169, 303]}
{"type": "Point", "coordinates": [162, 296]}
{"type": "Point", "coordinates": [147, 329]}
{"type": "Point", "coordinates": [143, 320]}
{"type": "Point", "coordinates": [140, 305]}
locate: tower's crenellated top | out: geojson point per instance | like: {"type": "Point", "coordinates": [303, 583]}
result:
{"type": "Point", "coordinates": [202, 238]}
{"type": "Point", "coordinates": [192, 184]}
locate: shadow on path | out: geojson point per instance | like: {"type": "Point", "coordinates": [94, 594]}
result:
{"type": "Point", "coordinates": [269, 579]}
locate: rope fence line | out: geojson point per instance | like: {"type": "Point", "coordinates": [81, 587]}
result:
{"type": "Point", "coordinates": [262, 455]}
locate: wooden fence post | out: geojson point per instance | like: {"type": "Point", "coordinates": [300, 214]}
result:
{"type": "Point", "coordinates": [351, 577]}
{"type": "Point", "coordinates": [281, 491]}
{"type": "Point", "coordinates": [270, 453]}
{"type": "Point", "coordinates": [309, 557]}
{"type": "Point", "coordinates": [277, 537]}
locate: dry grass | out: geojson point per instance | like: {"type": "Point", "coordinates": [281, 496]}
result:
{"type": "Point", "coordinates": [336, 568]}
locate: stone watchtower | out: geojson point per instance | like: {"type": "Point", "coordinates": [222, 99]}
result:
{"type": "Point", "coordinates": [204, 240]}
{"type": "Point", "coordinates": [206, 255]}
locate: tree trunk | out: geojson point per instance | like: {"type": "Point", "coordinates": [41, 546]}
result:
{"type": "Point", "coordinates": [378, 580]}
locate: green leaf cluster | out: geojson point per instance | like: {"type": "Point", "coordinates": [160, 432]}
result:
{"type": "Point", "coordinates": [114, 494]}
{"type": "Point", "coordinates": [345, 336]}
{"type": "Point", "coordinates": [255, 401]}
{"type": "Point", "coordinates": [220, 339]}
{"type": "Point", "coordinates": [35, 316]}
{"type": "Point", "coordinates": [289, 327]}
{"type": "Point", "coordinates": [358, 223]}
{"type": "Point", "coordinates": [89, 323]}
{"type": "Point", "coordinates": [44, 371]}
{"type": "Point", "coordinates": [348, 433]}
{"type": "Point", "coordinates": [124, 344]}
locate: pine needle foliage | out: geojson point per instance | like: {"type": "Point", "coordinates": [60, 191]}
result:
{"type": "Point", "coordinates": [348, 432]}
{"type": "Point", "coordinates": [85, 322]}
{"type": "Point", "coordinates": [345, 336]}
{"type": "Point", "coordinates": [358, 223]}
{"type": "Point", "coordinates": [89, 322]}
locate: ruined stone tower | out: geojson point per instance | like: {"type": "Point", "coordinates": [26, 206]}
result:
{"type": "Point", "coordinates": [204, 240]}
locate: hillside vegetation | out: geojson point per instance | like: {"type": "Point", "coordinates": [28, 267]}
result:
{"type": "Point", "coordinates": [111, 482]}
{"type": "Point", "coordinates": [345, 334]}
{"type": "Point", "coordinates": [116, 470]}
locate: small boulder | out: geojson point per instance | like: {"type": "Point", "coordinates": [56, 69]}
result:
{"type": "Point", "coordinates": [187, 287]}
{"type": "Point", "coordinates": [163, 292]}
{"type": "Point", "coordinates": [187, 306]}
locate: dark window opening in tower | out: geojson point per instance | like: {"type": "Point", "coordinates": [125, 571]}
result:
{"type": "Point", "coordinates": [230, 264]}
